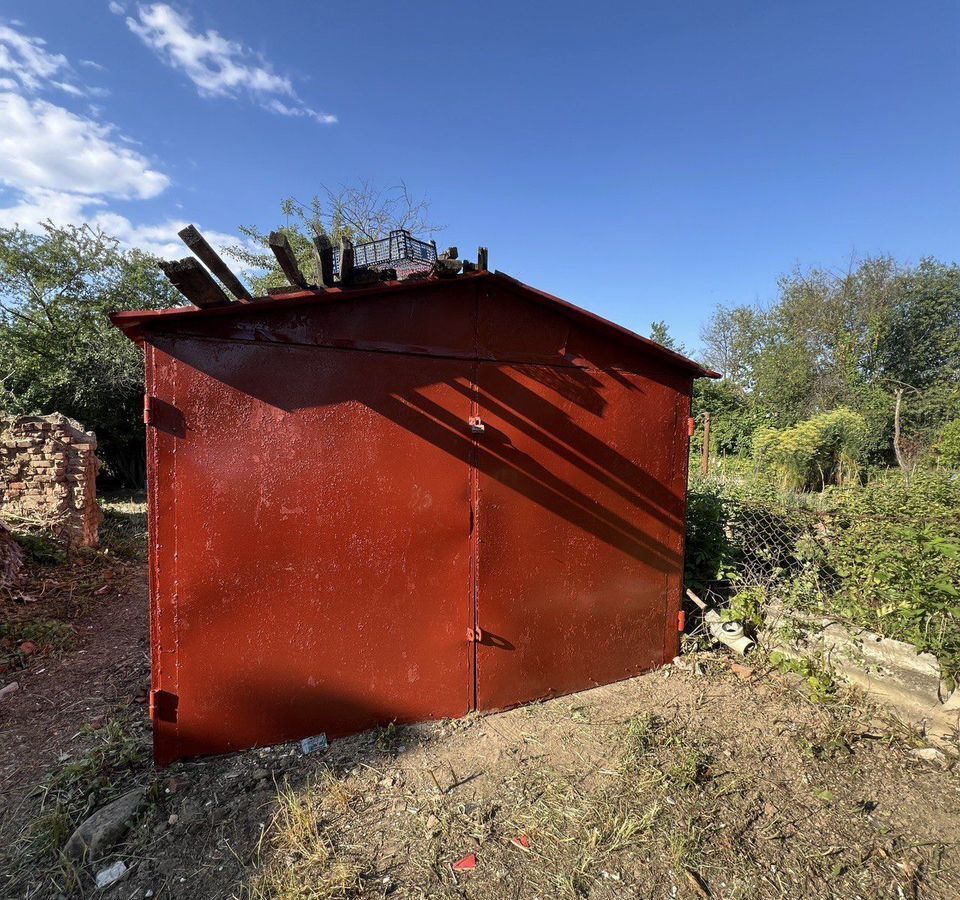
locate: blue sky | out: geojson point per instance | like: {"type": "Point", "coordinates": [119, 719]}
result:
{"type": "Point", "coordinates": [646, 161]}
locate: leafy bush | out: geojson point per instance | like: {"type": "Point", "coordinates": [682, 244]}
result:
{"type": "Point", "coordinates": [733, 419]}
{"type": "Point", "coordinates": [948, 447]}
{"type": "Point", "coordinates": [895, 551]}
{"type": "Point", "coordinates": [820, 451]}
{"type": "Point", "coordinates": [709, 553]}
{"type": "Point", "coordinates": [884, 556]}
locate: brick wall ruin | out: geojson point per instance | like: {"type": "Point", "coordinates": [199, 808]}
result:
{"type": "Point", "coordinates": [48, 467]}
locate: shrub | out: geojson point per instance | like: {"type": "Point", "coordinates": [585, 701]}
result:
{"type": "Point", "coordinates": [823, 450]}
{"type": "Point", "coordinates": [948, 447]}
{"type": "Point", "coordinates": [709, 553]}
{"type": "Point", "coordinates": [896, 554]}
{"type": "Point", "coordinates": [884, 556]}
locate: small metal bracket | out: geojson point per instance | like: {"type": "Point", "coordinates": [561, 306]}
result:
{"type": "Point", "coordinates": [147, 409]}
{"type": "Point", "coordinates": [475, 635]}
{"type": "Point", "coordinates": [691, 426]}
{"type": "Point", "coordinates": [476, 425]}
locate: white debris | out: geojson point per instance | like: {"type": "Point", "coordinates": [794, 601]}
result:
{"type": "Point", "coordinates": [106, 877]}
{"type": "Point", "coordinates": [929, 754]}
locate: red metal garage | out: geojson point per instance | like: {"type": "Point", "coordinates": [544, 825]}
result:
{"type": "Point", "coordinates": [403, 502]}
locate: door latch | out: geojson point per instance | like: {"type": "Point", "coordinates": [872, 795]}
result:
{"type": "Point", "coordinates": [476, 425]}
{"type": "Point", "coordinates": [475, 635]}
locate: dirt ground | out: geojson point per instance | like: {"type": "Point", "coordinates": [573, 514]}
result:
{"type": "Point", "coordinates": [685, 782]}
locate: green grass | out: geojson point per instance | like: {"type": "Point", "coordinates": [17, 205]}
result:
{"type": "Point", "coordinates": [40, 548]}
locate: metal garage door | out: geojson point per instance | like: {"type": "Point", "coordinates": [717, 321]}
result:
{"type": "Point", "coordinates": [576, 537]}
{"type": "Point", "coordinates": [312, 540]}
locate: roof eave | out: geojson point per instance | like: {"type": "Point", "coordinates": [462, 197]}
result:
{"type": "Point", "coordinates": [135, 322]}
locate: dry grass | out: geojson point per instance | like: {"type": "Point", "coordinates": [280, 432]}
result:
{"type": "Point", "coordinates": [645, 805]}
{"type": "Point", "coordinates": [308, 859]}
{"type": "Point", "coordinates": [109, 766]}
{"type": "Point", "coordinates": [667, 786]}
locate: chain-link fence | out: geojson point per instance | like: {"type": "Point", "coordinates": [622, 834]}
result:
{"type": "Point", "coordinates": [736, 542]}
{"type": "Point", "coordinates": [769, 540]}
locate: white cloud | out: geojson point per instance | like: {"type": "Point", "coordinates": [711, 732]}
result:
{"type": "Point", "coordinates": [68, 88]}
{"type": "Point", "coordinates": [44, 146]}
{"type": "Point", "coordinates": [282, 109]}
{"type": "Point", "coordinates": [57, 164]}
{"type": "Point", "coordinates": [217, 66]}
{"type": "Point", "coordinates": [65, 208]}
{"type": "Point", "coordinates": [160, 238]}
{"type": "Point", "coordinates": [36, 205]}
{"type": "Point", "coordinates": [62, 166]}
{"type": "Point", "coordinates": [27, 63]}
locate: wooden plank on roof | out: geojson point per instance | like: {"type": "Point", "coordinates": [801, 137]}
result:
{"type": "Point", "coordinates": [212, 260]}
{"type": "Point", "coordinates": [194, 282]}
{"type": "Point", "coordinates": [280, 245]}
{"type": "Point", "coordinates": [323, 255]}
{"type": "Point", "coordinates": [346, 261]}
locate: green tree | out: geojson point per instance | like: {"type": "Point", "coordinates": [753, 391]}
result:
{"type": "Point", "coordinates": [731, 340]}
{"type": "Point", "coordinates": [918, 349]}
{"type": "Point", "coordinates": [948, 445]}
{"type": "Point", "coordinates": [660, 332]}
{"type": "Point", "coordinates": [733, 417]}
{"type": "Point", "coordinates": [851, 339]}
{"type": "Point", "coordinates": [58, 350]}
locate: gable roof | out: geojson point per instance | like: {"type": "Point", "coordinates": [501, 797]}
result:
{"type": "Point", "coordinates": [135, 324]}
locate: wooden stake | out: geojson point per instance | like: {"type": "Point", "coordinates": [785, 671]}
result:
{"type": "Point", "coordinates": [323, 256]}
{"type": "Point", "coordinates": [195, 283]}
{"type": "Point", "coordinates": [282, 250]}
{"type": "Point", "coordinates": [346, 261]}
{"type": "Point", "coordinates": [211, 259]}
{"type": "Point", "coordinates": [705, 462]}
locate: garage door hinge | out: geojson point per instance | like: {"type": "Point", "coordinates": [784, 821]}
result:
{"type": "Point", "coordinates": [681, 621]}
{"type": "Point", "coordinates": [163, 706]}
{"type": "Point", "coordinates": [475, 635]}
{"type": "Point", "coordinates": [691, 426]}
{"type": "Point", "coordinates": [147, 409]}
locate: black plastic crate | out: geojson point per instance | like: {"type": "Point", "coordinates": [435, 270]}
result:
{"type": "Point", "coordinates": [400, 250]}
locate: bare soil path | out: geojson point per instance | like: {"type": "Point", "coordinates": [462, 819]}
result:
{"type": "Point", "coordinates": [58, 696]}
